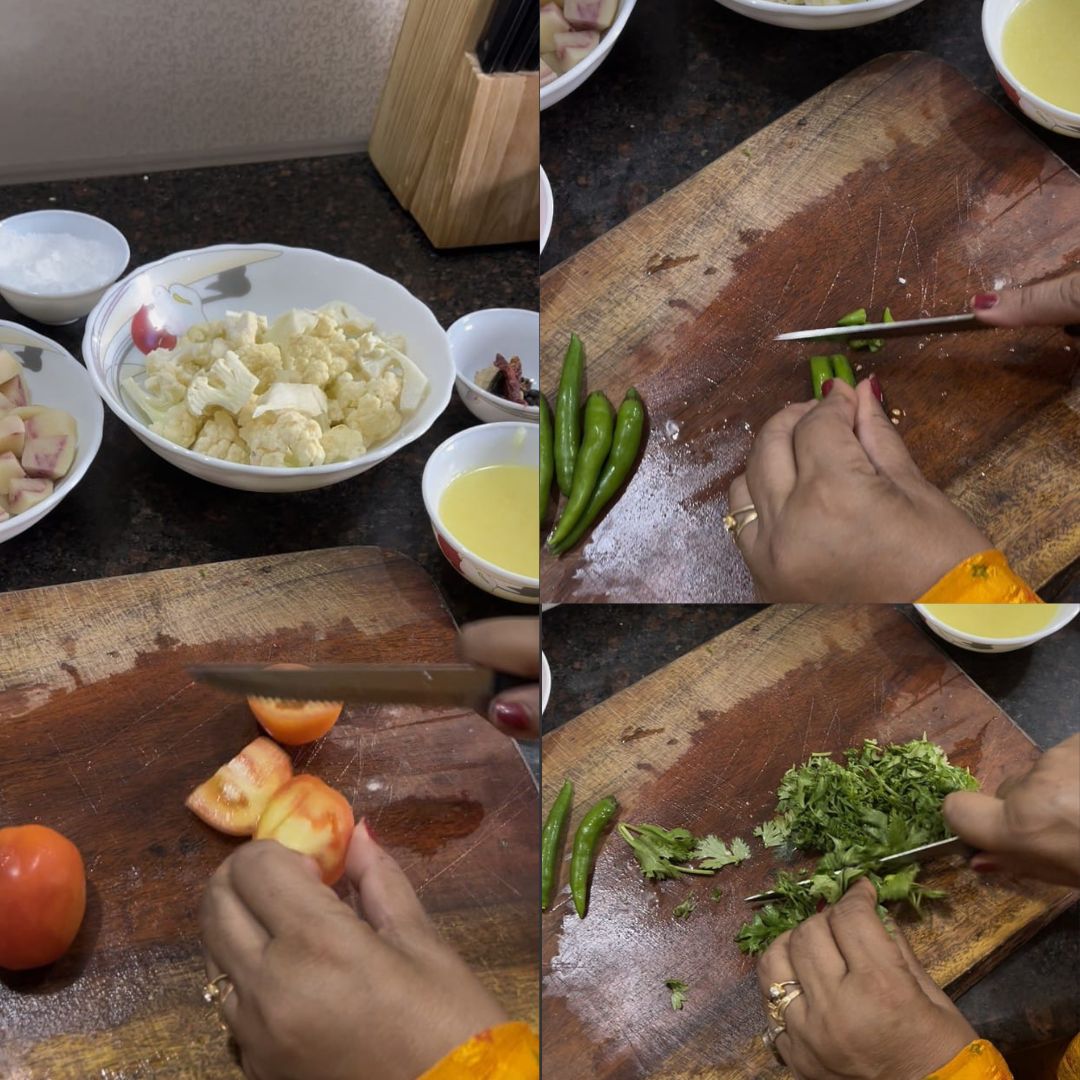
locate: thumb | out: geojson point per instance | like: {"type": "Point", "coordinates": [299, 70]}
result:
{"type": "Point", "coordinates": [387, 899]}
{"type": "Point", "coordinates": [1048, 303]}
{"type": "Point", "coordinates": [978, 819]}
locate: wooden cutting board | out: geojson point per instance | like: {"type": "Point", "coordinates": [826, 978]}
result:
{"type": "Point", "coordinates": [703, 743]}
{"type": "Point", "coordinates": [103, 734]}
{"type": "Point", "coordinates": [899, 185]}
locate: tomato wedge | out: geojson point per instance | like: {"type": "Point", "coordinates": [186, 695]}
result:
{"type": "Point", "coordinates": [232, 800]}
{"type": "Point", "coordinates": [308, 816]}
{"type": "Point", "coordinates": [295, 722]}
{"type": "Point", "coordinates": [42, 896]}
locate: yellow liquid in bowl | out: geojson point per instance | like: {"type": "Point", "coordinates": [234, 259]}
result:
{"type": "Point", "coordinates": [1041, 48]}
{"type": "Point", "coordinates": [495, 513]}
{"type": "Point", "coordinates": [995, 620]}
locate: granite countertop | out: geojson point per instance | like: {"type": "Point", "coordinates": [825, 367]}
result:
{"type": "Point", "coordinates": [1030, 999]}
{"type": "Point", "coordinates": [134, 512]}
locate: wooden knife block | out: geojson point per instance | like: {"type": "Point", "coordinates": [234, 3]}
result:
{"type": "Point", "coordinates": [459, 149]}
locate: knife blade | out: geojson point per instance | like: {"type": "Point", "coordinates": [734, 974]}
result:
{"type": "Point", "coordinates": [399, 684]}
{"type": "Point", "coordinates": [952, 846]}
{"type": "Point", "coordinates": [903, 328]}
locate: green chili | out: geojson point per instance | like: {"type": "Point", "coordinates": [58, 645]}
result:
{"type": "Point", "coordinates": [568, 414]}
{"type": "Point", "coordinates": [586, 840]}
{"type": "Point", "coordinates": [595, 446]}
{"type": "Point", "coordinates": [551, 842]}
{"type": "Point", "coordinates": [842, 369]}
{"type": "Point", "coordinates": [629, 425]}
{"type": "Point", "coordinates": [547, 456]}
{"type": "Point", "coordinates": [887, 317]}
{"type": "Point", "coordinates": [821, 371]}
{"type": "Point", "coordinates": [853, 318]}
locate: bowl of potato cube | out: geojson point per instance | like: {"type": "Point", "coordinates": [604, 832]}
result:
{"type": "Point", "coordinates": [50, 426]}
{"type": "Point", "coordinates": [575, 36]}
{"type": "Point", "coordinates": [268, 368]}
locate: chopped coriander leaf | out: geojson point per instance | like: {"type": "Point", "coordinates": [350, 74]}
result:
{"type": "Point", "coordinates": [661, 853]}
{"type": "Point", "coordinates": [684, 909]}
{"type": "Point", "coordinates": [716, 894]}
{"type": "Point", "coordinates": [678, 992]}
{"type": "Point", "coordinates": [882, 800]}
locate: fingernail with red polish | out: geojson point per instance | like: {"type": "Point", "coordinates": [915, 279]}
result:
{"type": "Point", "coordinates": [369, 830]}
{"type": "Point", "coordinates": [875, 389]}
{"type": "Point", "coordinates": [984, 301]}
{"type": "Point", "coordinates": [509, 714]}
{"type": "Point", "coordinates": [826, 387]}
{"type": "Point", "coordinates": [984, 866]}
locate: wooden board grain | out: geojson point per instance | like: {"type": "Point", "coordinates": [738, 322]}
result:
{"type": "Point", "coordinates": [103, 734]}
{"type": "Point", "coordinates": [703, 743]}
{"type": "Point", "coordinates": [899, 185]}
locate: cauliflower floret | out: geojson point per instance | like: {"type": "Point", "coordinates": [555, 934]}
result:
{"type": "Point", "coordinates": [236, 385]}
{"type": "Point", "coordinates": [371, 407]}
{"type": "Point", "coordinates": [263, 360]}
{"type": "Point", "coordinates": [307, 359]}
{"type": "Point", "coordinates": [284, 438]}
{"type": "Point", "coordinates": [242, 328]}
{"type": "Point", "coordinates": [220, 438]}
{"type": "Point", "coordinates": [292, 324]}
{"type": "Point", "coordinates": [349, 319]}
{"type": "Point", "coordinates": [342, 443]}
{"type": "Point", "coordinates": [301, 397]}
{"type": "Point", "coordinates": [177, 425]}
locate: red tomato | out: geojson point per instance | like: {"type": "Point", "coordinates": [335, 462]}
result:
{"type": "Point", "coordinates": [308, 816]}
{"type": "Point", "coordinates": [295, 722]}
{"type": "Point", "coordinates": [147, 332]}
{"type": "Point", "coordinates": [234, 797]}
{"type": "Point", "coordinates": [42, 896]}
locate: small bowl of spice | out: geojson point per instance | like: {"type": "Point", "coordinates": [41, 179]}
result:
{"type": "Point", "coordinates": [497, 358]}
{"type": "Point", "coordinates": [56, 264]}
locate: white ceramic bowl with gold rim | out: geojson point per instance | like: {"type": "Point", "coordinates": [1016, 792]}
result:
{"type": "Point", "coordinates": [54, 378]}
{"type": "Point", "coordinates": [976, 643]}
{"type": "Point", "coordinates": [820, 16]}
{"type": "Point", "coordinates": [191, 287]}
{"type": "Point", "coordinates": [995, 14]}
{"type": "Point", "coordinates": [479, 447]}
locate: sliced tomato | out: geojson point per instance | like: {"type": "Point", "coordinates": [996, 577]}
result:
{"type": "Point", "coordinates": [308, 816]}
{"type": "Point", "coordinates": [295, 722]}
{"type": "Point", "coordinates": [42, 896]}
{"type": "Point", "coordinates": [234, 797]}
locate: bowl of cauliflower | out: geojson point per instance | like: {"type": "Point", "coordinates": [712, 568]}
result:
{"type": "Point", "coordinates": [268, 368]}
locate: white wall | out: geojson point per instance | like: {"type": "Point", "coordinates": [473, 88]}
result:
{"type": "Point", "coordinates": [111, 86]}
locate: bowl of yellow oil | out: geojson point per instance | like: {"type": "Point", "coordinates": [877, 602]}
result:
{"type": "Point", "coordinates": [996, 627]}
{"type": "Point", "coordinates": [1035, 48]}
{"type": "Point", "coordinates": [481, 491]}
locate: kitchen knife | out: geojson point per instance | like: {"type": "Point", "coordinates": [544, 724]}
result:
{"type": "Point", "coordinates": [953, 846]}
{"type": "Point", "coordinates": [903, 328]}
{"type": "Point", "coordinates": [399, 684]}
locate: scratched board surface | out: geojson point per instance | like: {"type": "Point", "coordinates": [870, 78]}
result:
{"type": "Point", "coordinates": [103, 734]}
{"type": "Point", "coordinates": [703, 743]}
{"type": "Point", "coordinates": [899, 185]}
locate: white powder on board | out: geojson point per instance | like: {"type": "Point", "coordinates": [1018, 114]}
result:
{"type": "Point", "coordinates": [53, 262]}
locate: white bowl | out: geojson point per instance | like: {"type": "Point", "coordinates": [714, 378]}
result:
{"type": "Point", "coordinates": [474, 341]}
{"type": "Point", "coordinates": [268, 279]}
{"type": "Point", "coordinates": [547, 209]}
{"type": "Point", "coordinates": [56, 307]}
{"type": "Point", "coordinates": [1066, 613]}
{"type": "Point", "coordinates": [545, 683]}
{"type": "Point", "coordinates": [475, 448]}
{"type": "Point", "coordinates": [827, 17]}
{"type": "Point", "coordinates": [995, 14]}
{"type": "Point", "coordinates": [566, 84]}
{"type": "Point", "coordinates": [54, 377]}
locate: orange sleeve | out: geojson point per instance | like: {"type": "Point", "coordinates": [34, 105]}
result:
{"type": "Point", "coordinates": [507, 1052]}
{"type": "Point", "coordinates": [1069, 1069]}
{"type": "Point", "coordinates": [977, 1061]}
{"type": "Point", "coordinates": [985, 578]}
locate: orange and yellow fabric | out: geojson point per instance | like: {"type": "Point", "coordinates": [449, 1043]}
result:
{"type": "Point", "coordinates": [507, 1052]}
{"type": "Point", "coordinates": [985, 578]}
{"type": "Point", "coordinates": [977, 1061]}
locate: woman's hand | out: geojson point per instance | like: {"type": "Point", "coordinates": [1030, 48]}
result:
{"type": "Point", "coordinates": [844, 515]}
{"type": "Point", "coordinates": [868, 1010]}
{"type": "Point", "coordinates": [510, 645]}
{"type": "Point", "coordinates": [1049, 303]}
{"type": "Point", "coordinates": [318, 992]}
{"type": "Point", "coordinates": [1032, 827]}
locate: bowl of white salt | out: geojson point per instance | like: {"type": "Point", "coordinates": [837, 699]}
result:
{"type": "Point", "coordinates": [56, 264]}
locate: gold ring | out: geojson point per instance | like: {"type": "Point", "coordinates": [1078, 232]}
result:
{"type": "Point", "coordinates": [752, 516]}
{"type": "Point", "coordinates": [779, 989]}
{"type": "Point", "coordinates": [214, 994]}
{"type": "Point", "coordinates": [731, 519]}
{"type": "Point", "coordinates": [769, 1037]}
{"type": "Point", "coordinates": [777, 1007]}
